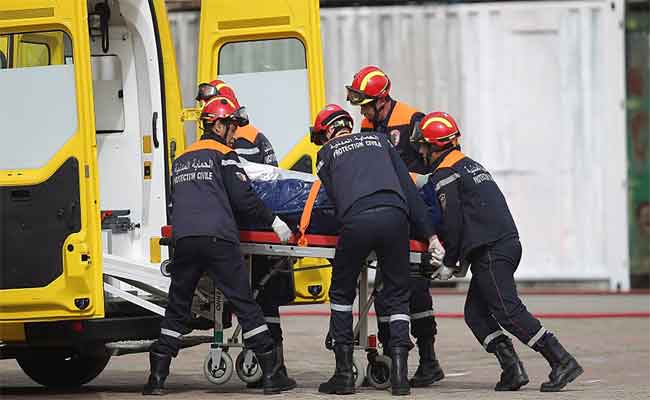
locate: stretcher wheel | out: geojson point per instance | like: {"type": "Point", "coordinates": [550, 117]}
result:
{"type": "Point", "coordinates": [247, 367]}
{"type": "Point", "coordinates": [165, 268]}
{"type": "Point", "coordinates": [357, 373]}
{"type": "Point", "coordinates": [378, 372]}
{"type": "Point", "coordinates": [218, 375]}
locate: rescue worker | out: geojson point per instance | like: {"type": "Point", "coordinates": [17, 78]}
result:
{"type": "Point", "coordinates": [376, 202]}
{"type": "Point", "coordinates": [370, 89]}
{"type": "Point", "coordinates": [478, 229]}
{"type": "Point", "coordinates": [251, 144]}
{"type": "Point", "coordinates": [209, 188]}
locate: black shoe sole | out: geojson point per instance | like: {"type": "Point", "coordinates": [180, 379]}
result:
{"type": "Point", "coordinates": [343, 391]}
{"type": "Point", "coordinates": [570, 378]}
{"type": "Point", "coordinates": [401, 392]}
{"type": "Point", "coordinates": [511, 388]}
{"type": "Point", "coordinates": [414, 383]}
{"type": "Point", "coordinates": [154, 392]}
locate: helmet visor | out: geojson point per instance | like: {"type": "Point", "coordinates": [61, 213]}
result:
{"type": "Point", "coordinates": [240, 116]}
{"type": "Point", "coordinates": [206, 91]}
{"type": "Point", "coordinates": [357, 97]}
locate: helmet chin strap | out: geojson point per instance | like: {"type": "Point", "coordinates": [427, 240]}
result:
{"type": "Point", "coordinates": [377, 110]}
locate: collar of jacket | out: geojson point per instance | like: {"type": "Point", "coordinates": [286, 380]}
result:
{"type": "Point", "coordinates": [437, 162]}
{"type": "Point", "coordinates": [382, 126]}
{"type": "Point", "coordinates": [214, 137]}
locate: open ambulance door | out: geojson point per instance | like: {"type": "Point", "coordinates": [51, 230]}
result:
{"type": "Point", "coordinates": [270, 53]}
{"type": "Point", "coordinates": [50, 253]}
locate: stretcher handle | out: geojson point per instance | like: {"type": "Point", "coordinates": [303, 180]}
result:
{"type": "Point", "coordinates": [305, 218]}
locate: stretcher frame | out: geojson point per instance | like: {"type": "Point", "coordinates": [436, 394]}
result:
{"type": "Point", "coordinates": [252, 243]}
{"type": "Point", "coordinates": [312, 246]}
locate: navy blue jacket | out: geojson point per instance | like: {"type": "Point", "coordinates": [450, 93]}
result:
{"type": "Point", "coordinates": [252, 145]}
{"type": "Point", "coordinates": [474, 211]}
{"type": "Point", "coordinates": [210, 189]}
{"type": "Point", "coordinates": [360, 171]}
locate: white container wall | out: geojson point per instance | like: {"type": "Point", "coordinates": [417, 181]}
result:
{"type": "Point", "coordinates": [538, 90]}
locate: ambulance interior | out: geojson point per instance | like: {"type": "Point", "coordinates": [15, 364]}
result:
{"type": "Point", "coordinates": [269, 75]}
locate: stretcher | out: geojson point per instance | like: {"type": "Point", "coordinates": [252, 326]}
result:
{"type": "Point", "coordinates": [218, 365]}
{"type": "Point", "coordinates": [377, 369]}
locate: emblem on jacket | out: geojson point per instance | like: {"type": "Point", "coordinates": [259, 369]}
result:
{"type": "Point", "coordinates": [442, 198]}
{"type": "Point", "coordinates": [241, 176]}
{"type": "Point", "coordinates": [394, 137]}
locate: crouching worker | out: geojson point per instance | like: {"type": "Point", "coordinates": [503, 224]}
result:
{"type": "Point", "coordinates": [376, 202]}
{"type": "Point", "coordinates": [209, 188]}
{"type": "Point", "coordinates": [478, 229]}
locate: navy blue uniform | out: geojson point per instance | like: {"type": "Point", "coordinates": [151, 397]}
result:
{"type": "Point", "coordinates": [209, 190]}
{"type": "Point", "coordinates": [477, 227]}
{"type": "Point", "coordinates": [251, 145]}
{"type": "Point", "coordinates": [398, 127]}
{"type": "Point", "coordinates": [377, 202]}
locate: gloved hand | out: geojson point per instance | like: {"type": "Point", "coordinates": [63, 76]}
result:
{"type": "Point", "coordinates": [436, 250]}
{"type": "Point", "coordinates": [282, 230]}
{"type": "Point", "coordinates": [443, 273]}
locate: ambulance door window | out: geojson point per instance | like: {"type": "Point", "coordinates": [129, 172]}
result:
{"type": "Point", "coordinates": [270, 79]}
{"type": "Point", "coordinates": [32, 75]}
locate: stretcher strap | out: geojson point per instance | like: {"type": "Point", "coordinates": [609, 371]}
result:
{"type": "Point", "coordinates": [305, 218]}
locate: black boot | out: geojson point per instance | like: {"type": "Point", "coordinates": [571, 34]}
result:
{"type": "Point", "coordinates": [159, 372]}
{"type": "Point", "coordinates": [342, 382]}
{"type": "Point", "coordinates": [399, 371]}
{"type": "Point", "coordinates": [283, 370]}
{"type": "Point", "coordinates": [513, 375]}
{"type": "Point", "coordinates": [429, 370]}
{"type": "Point", "coordinates": [273, 380]}
{"type": "Point", "coordinates": [564, 368]}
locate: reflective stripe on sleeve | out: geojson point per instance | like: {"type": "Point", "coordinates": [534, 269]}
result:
{"type": "Point", "coordinates": [399, 317]}
{"type": "Point", "coordinates": [423, 314]}
{"type": "Point", "coordinates": [248, 152]}
{"type": "Point", "coordinates": [341, 307]}
{"type": "Point", "coordinates": [229, 162]}
{"type": "Point", "coordinates": [537, 336]}
{"type": "Point", "coordinates": [491, 337]}
{"type": "Point", "coordinates": [169, 332]}
{"type": "Point", "coordinates": [447, 181]}
{"type": "Point", "coordinates": [383, 319]}
{"type": "Point", "coordinates": [253, 332]}
{"type": "Point", "coordinates": [272, 320]}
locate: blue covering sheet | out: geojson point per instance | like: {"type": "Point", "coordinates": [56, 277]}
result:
{"type": "Point", "coordinates": [285, 192]}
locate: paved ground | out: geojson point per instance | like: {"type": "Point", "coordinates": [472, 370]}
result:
{"type": "Point", "coordinates": [615, 354]}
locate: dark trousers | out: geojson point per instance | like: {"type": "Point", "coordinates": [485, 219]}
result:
{"type": "Point", "coordinates": [224, 263]}
{"type": "Point", "coordinates": [384, 230]}
{"type": "Point", "coordinates": [492, 300]}
{"type": "Point", "coordinates": [278, 291]}
{"type": "Point", "coordinates": [423, 322]}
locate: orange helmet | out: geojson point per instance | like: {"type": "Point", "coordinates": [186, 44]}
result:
{"type": "Point", "coordinates": [437, 129]}
{"type": "Point", "coordinates": [222, 108]}
{"type": "Point", "coordinates": [369, 84]}
{"type": "Point", "coordinates": [216, 87]}
{"type": "Point", "coordinates": [331, 115]}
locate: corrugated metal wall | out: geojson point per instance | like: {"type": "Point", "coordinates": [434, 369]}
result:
{"type": "Point", "coordinates": [538, 89]}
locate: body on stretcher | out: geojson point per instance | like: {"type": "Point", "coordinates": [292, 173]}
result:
{"type": "Point", "coordinates": [218, 365]}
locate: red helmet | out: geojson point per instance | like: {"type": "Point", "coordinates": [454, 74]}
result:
{"type": "Point", "coordinates": [331, 115]}
{"type": "Point", "coordinates": [438, 129]}
{"type": "Point", "coordinates": [221, 107]}
{"type": "Point", "coordinates": [369, 84]}
{"type": "Point", "coordinates": [216, 87]}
